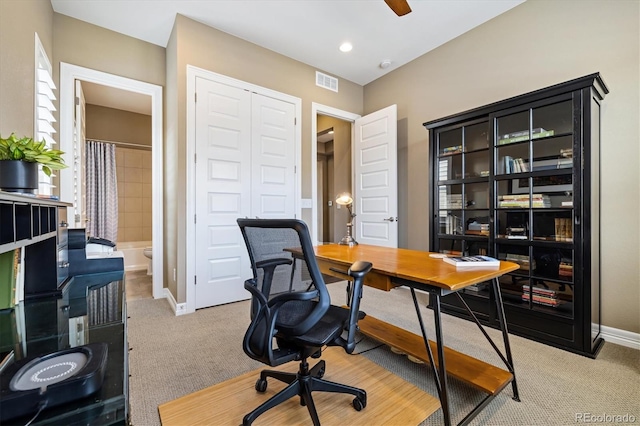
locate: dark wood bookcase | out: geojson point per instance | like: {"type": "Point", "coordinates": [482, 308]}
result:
{"type": "Point", "coordinates": [519, 180]}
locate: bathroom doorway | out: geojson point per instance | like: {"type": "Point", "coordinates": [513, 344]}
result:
{"type": "Point", "coordinates": [69, 178]}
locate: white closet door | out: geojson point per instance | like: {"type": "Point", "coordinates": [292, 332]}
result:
{"type": "Point", "coordinates": [223, 191]}
{"type": "Point", "coordinates": [273, 158]}
{"type": "Point", "coordinates": [376, 175]}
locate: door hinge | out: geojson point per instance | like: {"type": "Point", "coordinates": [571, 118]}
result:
{"type": "Point", "coordinates": [77, 100]}
{"type": "Point", "coordinates": [195, 158]}
{"type": "Point", "coordinates": [295, 121]}
{"type": "Point", "coordinates": [195, 97]}
{"type": "Point", "coordinates": [295, 169]}
{"type": "Point", "coordinates": [195, 219]}
{"type": "Point", "coordinates": [195, 279]}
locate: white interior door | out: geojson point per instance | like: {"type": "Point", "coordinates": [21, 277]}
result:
{"type": "Point", "coordinates": [376, 178]}
{"type": "Point", "coordinates": [79, 136]}
{"type": "Point", "coordinates": [223, 192]}
{"type": "Point", "coordinates": [273, 158]}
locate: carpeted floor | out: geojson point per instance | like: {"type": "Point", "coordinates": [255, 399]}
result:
{"type": "Point", "coordinates": [174, 356]}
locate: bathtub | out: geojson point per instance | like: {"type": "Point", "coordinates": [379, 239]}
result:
{"type": "Point", "coordinates": [134, 259]}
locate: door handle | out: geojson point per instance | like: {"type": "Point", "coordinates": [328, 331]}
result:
{"type": "Point", "coordinates": [390, 219]}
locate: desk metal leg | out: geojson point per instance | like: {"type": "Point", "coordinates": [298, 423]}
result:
{"type": "Point", "coordinates": [505, 335]}
{"type": "Point", "coordinates": [444, 401]}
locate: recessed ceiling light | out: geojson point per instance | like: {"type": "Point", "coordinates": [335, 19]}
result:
{"type": "Point", "coordinates": [346, 47]}
{"type": "Point", "coordinates": [385, 64]}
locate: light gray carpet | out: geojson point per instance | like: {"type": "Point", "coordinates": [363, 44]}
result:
{"type": "Point", "coordinates": [173, 356]}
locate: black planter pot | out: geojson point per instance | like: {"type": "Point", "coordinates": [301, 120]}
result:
{"type": "Point", "coordinates": [18, 176]}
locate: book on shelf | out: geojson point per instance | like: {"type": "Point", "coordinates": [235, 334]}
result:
{"type": "Point", "coordinates": [566, 152]}
{"type": "Point", "coordinates": [450, 150]}
{"type": "Point", "coordinates": [520, 259]}
{"type": "Point", "coordinates": [523, 201]}
{"type": "Point", "coordinates": [476, 288]}
{"type": "Point", "coordinates": [541, 291]}
{"type": "Point", "coordinates": [564, 163]}
{"type": "Point", "coordinates": [567, 203]}
{"type": "Point", "coordinates": [542, 300]}
{"type": "Point", "coordinates": [563, 229]}
{"type": "Point", "coordinates": [473, 262]}
{"type": "Point", "coordinates": [524, 136]}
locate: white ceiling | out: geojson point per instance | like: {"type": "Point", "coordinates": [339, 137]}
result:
{"type": "Point", "coordinates": [309, 31]}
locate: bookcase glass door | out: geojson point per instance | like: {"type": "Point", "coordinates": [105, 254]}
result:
{"type": "Point", "coordinates": [534, 204]}
{"type": "Point", "coordinates": [463, 169]}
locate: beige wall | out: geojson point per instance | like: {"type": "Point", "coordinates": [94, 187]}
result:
{"type": "Point", "coordinates": [133, 171]}
{"type": "Point", "coordinates": [204, 47]}
{"type": "Point", "coordinates": [80, 43]}
{"type": "Point", "coordinates": [17, 61]}
{"type": "Point", "coordinates": [537, 44]}
{"type": "Point", "coordinates": [109, 124]}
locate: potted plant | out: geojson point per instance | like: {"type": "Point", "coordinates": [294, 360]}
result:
{"type": "Point", "coordinates": [19, 159]}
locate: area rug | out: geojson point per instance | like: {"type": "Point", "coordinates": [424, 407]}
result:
{"type": "Point", "coordinates": [390, 399]}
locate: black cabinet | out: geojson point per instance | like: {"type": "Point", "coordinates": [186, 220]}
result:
{"type": "Point", "coordinates": [35, 229]}
{"type": "Point", "coordinates": [519, 180]}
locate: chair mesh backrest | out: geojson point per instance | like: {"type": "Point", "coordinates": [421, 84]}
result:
{"type": "Point", "coordinates": [269, 243]}
{"type": "Point", "coordinates": [268, 239]}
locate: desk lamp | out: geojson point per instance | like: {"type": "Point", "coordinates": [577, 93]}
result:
{"type": "Point", "coordinates": [346, 200]}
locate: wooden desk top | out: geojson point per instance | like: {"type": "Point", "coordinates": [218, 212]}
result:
{"type": "Point", "coordinates": [411, 265]}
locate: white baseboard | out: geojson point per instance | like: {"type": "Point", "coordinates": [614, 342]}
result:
{"type": "Point", "coordinates": [178, 308]}
{"type": "Point", "coordinates": [620, 337]}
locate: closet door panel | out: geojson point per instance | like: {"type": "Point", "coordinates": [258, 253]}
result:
{"type": "Point", "coordinates": [273, 157]}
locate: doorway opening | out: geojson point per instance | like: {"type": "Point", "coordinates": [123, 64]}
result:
{"type": "Point", "coordinates": [327, 159]}
{"type": "Point", "coordinates": [69, 178]}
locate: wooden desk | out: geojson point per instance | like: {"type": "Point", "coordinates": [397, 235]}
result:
{"type": "Point", "coordinates": [416, 270]}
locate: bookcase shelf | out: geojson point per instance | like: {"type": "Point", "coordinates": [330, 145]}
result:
{"type": "Point", "coordinates": [518, 180]}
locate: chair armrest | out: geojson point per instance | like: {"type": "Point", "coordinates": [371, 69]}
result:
{"type": "Point", "coordinates": [267, 263]}
{"type": "Point", "coordinates": [359, 269]}
{"type": "Point", "coordinates": [287, 297]}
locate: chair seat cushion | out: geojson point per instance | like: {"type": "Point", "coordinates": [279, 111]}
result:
{"type": "Point", "coordinates": [327, 329]}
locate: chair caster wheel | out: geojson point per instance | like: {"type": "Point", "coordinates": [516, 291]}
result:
{"type": "Point", "coordinates": [261, 385]}
{"type": "Point", "coordinates": [359, 404]}
{"type": "Point", "coordinates": [320, 374]}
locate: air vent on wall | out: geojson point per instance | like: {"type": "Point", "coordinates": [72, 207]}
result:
{"type": "Point", "coordinates": [326, 81]}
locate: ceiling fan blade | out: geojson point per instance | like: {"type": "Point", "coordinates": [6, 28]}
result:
{"type": "Point", "coordinates": [400, 7]}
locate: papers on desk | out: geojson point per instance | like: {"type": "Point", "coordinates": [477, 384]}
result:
{"type": "Point", "coordinates": [473, 262]}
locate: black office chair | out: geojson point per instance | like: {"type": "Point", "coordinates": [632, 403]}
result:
{"type": "Point", "coordinates": [291, 305]}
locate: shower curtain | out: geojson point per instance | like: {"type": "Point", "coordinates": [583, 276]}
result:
{"type": "Point", "coordinates": [102, 190]}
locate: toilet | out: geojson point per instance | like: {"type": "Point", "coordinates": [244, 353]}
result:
{"type": "Point", "coordinates": [148, 252]}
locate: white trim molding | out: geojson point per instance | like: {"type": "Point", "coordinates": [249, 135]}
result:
{"type": "Point", "coordinates": [178, 308]}
{"type": "Point", "coordinates": [620, 337]}
{"type": "Point", "coordinates": [68, 75]}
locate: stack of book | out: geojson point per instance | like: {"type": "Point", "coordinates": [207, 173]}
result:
{"type": "Point", "coordinates": [523, 201]}
{"type": "Point", "coordinates": [476, 288]}
{"type": "Point", "coordinates": [520, 259]}
{"type": "Point", "coordinates": [454, 201]}
{"type": "Point", "coordinates": [541, 296]}
{"type": "Point", "coordinates": [566, 270]}
{"type": "Point", "coordinates": [475, 228]}
{"type": "Point", "coordinates": [523, 135]}
{"type": "Point", "coordinates": [450, 150]}
{"type": "Point", "coordinates": [566, 158]}
{"type": "Point", "coordinates": [517, 233]}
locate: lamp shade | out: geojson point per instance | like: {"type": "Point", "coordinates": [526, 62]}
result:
{"type": "Point", "coordinates": [344, 199]}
